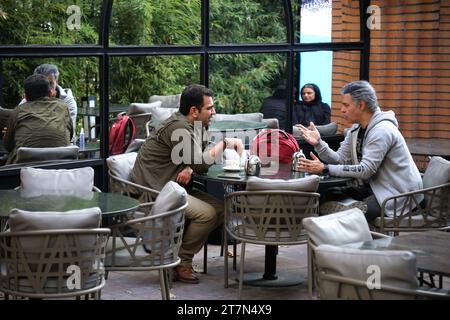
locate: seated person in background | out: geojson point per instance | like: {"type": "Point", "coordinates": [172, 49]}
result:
{"type": "Point", "coordinates": [42, 121]}
{"type": "Point", "coordinates": [311, 108]}
{"type": "Point", "coordinates": [52, 73]}
{"type": "Point", "coordinates": [275, 106]}
{"type": "Point", "coordinates": [173, 152]}
{"type": "Point", "coordinates": [374, 152]}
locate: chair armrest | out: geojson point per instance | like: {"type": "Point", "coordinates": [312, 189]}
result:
{"type": "Point", "coordinates": [132, 189]}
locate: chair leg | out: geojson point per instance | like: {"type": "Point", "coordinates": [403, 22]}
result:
{"type": "Point", "coordinates": [162, 283]}
{"type": "Point", "coordinates": [234, 254]}
{"type": "Point", "coordinates": [310, 272]}
{"type": "Point", "coordinates": [225, 259]}
{"type": "Point", "coordinates": [241, 270]}
{"type": "Point", "coordinates": [205, 257]}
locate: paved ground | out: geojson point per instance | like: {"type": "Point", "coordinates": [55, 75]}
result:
{"type": "Point", "coordinates": [292, 262]}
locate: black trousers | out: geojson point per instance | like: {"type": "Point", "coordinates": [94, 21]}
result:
{"type": "Point", "coordinates": [363, 193]}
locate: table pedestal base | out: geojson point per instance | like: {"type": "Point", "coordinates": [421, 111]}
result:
{"type": "Point", "coordinates": [283, 279]}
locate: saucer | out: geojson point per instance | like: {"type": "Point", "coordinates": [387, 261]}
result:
{"type": "Point", "coordinates": [228, 168]}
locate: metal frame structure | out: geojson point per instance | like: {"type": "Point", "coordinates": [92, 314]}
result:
{"type": "Point", "coordinates": [104, 52]}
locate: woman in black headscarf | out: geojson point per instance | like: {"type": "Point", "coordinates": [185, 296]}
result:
{"type": "Point", "coordinates": [311, 108]}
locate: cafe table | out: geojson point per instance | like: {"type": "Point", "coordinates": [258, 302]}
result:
{"type": "Point", "coordinates": [112, 205]}
{"type": "Point", "coordinates": [432, 249]}
{"type": "Point", "coordinates": [236, 180]}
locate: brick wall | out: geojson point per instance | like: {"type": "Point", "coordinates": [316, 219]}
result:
{"type": "Point", "coordinates": [409, 64]}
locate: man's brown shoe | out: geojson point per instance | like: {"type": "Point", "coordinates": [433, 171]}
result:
{"type": "Point", "coordinates": [185, 274]}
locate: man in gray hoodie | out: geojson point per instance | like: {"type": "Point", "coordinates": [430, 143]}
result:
{"type": "Point", "coordinates": [374, 152]}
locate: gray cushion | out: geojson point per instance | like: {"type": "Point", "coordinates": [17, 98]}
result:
{"type": "Point", "coordinates": [138, 108]}
{"type": "Point", "coordinates": [160, 114]}
{"type": "Point", "coordinates": [170, 101]}
{"type": "Point", "coordinates": [121, 165]}
{"type": "Point", "coordinates": [338, 228]}
{"type": "Point", "coordinates": [20, 220]}
{"type": "Point", "coordinates": [255, 117]}
{"type": "Point", "coordinates": [308, 184]}
{"type": "Point", "coordinates": [437, 172]}
{"type": "Point", "coordinates": [135, 145]}
{"type": "Point", "coordinates": [56, 181]}
{"type": "Point", "coordinates": [272, 123]}
{"type": "Point", "coordinates": [27, 154]}
{"type": "Point", "coordinates": [171, 197]}
{"type": "Point", "coordinates": [327, 129]}
{"type": "Point", "coordinates": [397, 268]}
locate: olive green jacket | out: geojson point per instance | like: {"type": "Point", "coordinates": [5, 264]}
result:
{"type": "Point", "coordinates": [175, 144]}
{"type": "Point", "coordinates": [44, 122]}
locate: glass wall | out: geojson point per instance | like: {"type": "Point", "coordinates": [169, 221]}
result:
{"type": "Point", "coordinates": [46, 22]}
{"type": "Point", "coordinates": [157, 22]}
{"type": "Point", "coordinates": [126, 51]}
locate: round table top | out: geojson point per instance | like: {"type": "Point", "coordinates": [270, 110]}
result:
{"type": "Point", "coordinates": [225, 125]}
{"type": "Point", "coordinates": [283, 171]}
{"type": "Point", "coordinates": [109, 203]}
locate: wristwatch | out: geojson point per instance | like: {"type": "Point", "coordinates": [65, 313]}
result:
{"type": "Point", "coordinates": [326, 169]}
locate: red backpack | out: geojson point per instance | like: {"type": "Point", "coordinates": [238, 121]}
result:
{"type": "Point", "coordinates": [282, 143]}
{"type": "Point", "coordinates": [121, 134]}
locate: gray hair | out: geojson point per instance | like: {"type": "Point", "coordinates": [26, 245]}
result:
{"type": "Point", "coordinates": [47, 69]}
{"type": "Point", "coordinates": [362, 90]}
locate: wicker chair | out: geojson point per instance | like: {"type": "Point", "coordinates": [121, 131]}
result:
{"type": "Point", "coordinates": [43, 271]}
{"type": "Point", "coordinates": [40, 259]}
{"type": "Point", "coordinates": [410, 213]}
{"type": "Point", "coordinates": [151, 242]}
{"type": "Point", "coordinates": [335, 229]}
{"type": "Point", "coordinates": [267, 218]}
{"type": "Point", "coordinates": [348, 273]}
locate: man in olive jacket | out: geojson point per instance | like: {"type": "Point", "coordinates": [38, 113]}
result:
{"type": "Point", "coordinates": [43, 121]}
{"type": "Point", "coordinates": [176, 150]}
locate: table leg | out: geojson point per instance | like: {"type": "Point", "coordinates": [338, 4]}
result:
{"type": "Point", "coordinates": [271, 278]}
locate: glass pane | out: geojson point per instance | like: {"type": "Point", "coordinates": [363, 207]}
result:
{"type": "Point", "coordinates": [330, 71]}
{"type": "Point", "coordinates": [46, 22]}
{"type": "Point", "coordinates": [242, 81]}
{"type": "Point", "coordinates": [247, 21]}
{"type": "Point", "coordinates": [78, 79]}
{"type": "Point", "coordinates": [327, 21]}
{"type": "Point", "coordinates": [157, 22]}
{"type": "Point", "coordinates": [136, 79]}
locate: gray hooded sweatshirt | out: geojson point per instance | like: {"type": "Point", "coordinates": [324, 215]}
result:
{"type": "Point", "coordinates": [386, 161]}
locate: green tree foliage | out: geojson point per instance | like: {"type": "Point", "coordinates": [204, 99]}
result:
{"type": "Point", "coordinates": [28, 22]}
{"type": "Point", "coordinates": [240, 81]}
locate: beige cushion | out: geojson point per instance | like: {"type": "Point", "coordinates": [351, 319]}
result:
{"type": "Point", "coordinates": [121, 165]}
{"type": "Point", "coordinates": [327, 129]}
{"type": "Point", "coordinates": [170, 101]}
{"type": "Point", "coordinates": [308, 184]}
{"type": "Point", "coordinates": [172, 196]}
{"type": "Point", "coordinates": [255, 117]}
{"type": "Point", "coordinates": [338, 228]}
{"type": "Point", "coordinates": [56, 181]}
{"type": "Point", "coordinates": [397, 269]}
{"type": "Point", "coordinates": [138, 108]}
{"type": "Point", "coordinates": [21, 220]}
